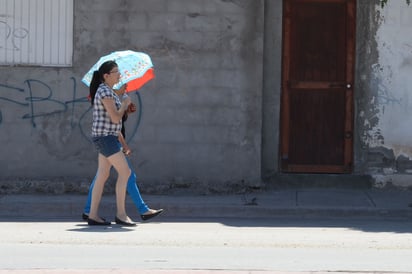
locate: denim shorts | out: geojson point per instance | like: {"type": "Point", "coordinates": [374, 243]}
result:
{"type": "Point", "coordinates": [107, 145]}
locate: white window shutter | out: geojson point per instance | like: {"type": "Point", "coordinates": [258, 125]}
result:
{"type": "Point", "coordinates": [36, 32]}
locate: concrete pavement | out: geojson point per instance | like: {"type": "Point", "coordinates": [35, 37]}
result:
{"type": "Point", "coordinates": [299, 202]}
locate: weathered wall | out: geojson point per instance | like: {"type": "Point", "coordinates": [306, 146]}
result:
{"type": "Point", "coordinates": [210, 119]}
{"type": "Point", "coordinates": [199, 124]}
{"type": "Point", "coordinates": [384, 104]}
{"type": "Point", "coordinates": [271, 92]}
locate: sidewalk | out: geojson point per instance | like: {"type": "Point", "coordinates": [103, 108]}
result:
{"type": "Point", "coordinates": [303, 203]}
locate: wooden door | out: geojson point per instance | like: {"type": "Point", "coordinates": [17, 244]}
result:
{"type": "Point", "coordinates": [317, 86]}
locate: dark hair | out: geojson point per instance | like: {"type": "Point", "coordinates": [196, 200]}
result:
{"type": "Point", "coordinates": [97, 79]}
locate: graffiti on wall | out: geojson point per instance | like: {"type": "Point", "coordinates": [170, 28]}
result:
{"type": "Point", "coordinates": [14, 37]}
{"type": "Point", "coordinates": [35, 92]}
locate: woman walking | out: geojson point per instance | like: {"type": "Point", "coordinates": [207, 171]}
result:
{"type": "Point", "coordinates": [108, 111]}
{"type": "Point", "coordinates": [146, 213]}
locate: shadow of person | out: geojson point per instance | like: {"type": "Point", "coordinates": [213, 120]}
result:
{"type": "Point", "coordinates": [111, 228]}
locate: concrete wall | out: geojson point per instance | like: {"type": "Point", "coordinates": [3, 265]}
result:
{"type": "Point", "coordinates": [383, 98]}
{"type": "Point", "coordinates": [199, 124]}
{"type": "Point", "coordinates": [271, 93]}
{"type": "Point", "coordinates": [210, 119]}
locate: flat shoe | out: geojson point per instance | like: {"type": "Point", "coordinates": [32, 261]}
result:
{"type": "Point", "coordinates": [146, 217]}
{"type": "Point", "coordinates": [85, 217]}
{"type": "Point", "coordinates": [123, 223]}
{"type": "Point", "coordinates": [94, 222]}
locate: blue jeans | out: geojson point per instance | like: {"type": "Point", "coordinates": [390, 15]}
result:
{"type": "Point", "coordinates": [132, 189]}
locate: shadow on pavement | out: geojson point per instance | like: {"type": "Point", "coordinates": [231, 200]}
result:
{"type": "Point", "coordinates": [366, 225]}
{"type": "Point", "coordinates": [104, 229]}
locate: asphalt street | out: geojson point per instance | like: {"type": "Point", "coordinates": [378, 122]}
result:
{"type": "Point", "coordinates": [245, 245]}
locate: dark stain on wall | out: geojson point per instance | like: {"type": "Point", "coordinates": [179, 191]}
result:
{"type": "Point", "coordinates": [366, 88]}
{"type": "Point", "coordinates": [371, 95]}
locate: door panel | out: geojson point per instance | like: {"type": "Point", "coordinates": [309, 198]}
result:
{"type": "Point", "coordinates": [317, 86]}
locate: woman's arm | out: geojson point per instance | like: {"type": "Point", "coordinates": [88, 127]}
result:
{"type": "Point", "coordinates": [126, 148]}
{"type": "Point", "coordinates": [110, 106]}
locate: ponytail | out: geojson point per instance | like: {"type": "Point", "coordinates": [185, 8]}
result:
{"type": "Point", "coordinates": [94, 84]}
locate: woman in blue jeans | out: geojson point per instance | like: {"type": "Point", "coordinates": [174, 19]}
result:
{"type": "Point", "coordinates": [146, 213]}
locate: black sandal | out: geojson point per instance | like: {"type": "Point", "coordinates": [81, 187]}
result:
{"type": "Point", "coordinates": [94, 222]}
{"type": "Point", "coordinates": [146, 217]}
{"type": "Point", "coordinates": [123, 223]}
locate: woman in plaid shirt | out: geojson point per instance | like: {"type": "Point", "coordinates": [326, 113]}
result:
{"type": "Point", "coordinates": [132, 188]}
{"type": "Point", "coordinates": [108, 111]}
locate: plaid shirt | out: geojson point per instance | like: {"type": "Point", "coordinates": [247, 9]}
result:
{"type": "Point", "coordinates": [102, 124]}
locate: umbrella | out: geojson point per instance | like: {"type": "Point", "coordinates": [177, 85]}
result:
{"type": "Point", "coordinates": [136, 69]}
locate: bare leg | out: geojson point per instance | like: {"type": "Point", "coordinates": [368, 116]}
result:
{"type": "Point", "coordinates": [103, 173]}
{"type": "Point", "coordinates": [119, 162]}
